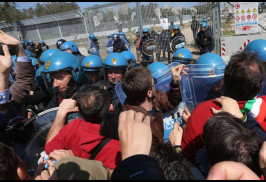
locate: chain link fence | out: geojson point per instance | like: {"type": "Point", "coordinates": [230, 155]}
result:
{"type": "Point", "coordinates": [50, 28]}
{"type": "Point", "coordinates": [131, 17]}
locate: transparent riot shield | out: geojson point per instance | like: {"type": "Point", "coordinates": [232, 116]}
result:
{"type": "Point", "coordinates": [93, 49]}
{"type": "Point", "coordinates": [125, 41]}
{"type": "Point", "coordinates": [203, 82]}
{"type": "Point", "coordinates": [42, 124]}
{"type": "Point", "coordinates": [108, 44]}
{"type": "Point", "coordinates": [150, 47]}
{"type": "Point", "coordinates": [163, 83]}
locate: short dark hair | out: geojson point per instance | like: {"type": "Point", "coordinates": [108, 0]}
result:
{"type": "Point", "coordinates": [93, 103]}
{"type": "Point", "coordinates": [174, 165]}
{"type": "Point", "coordinates": [8, 163]}
{"type": "Point", "coordinates": [138, 82]}
{"type": "Point", "coordinates": [228, 138]}
{"type": "Point", "coordinates": [244, 75]}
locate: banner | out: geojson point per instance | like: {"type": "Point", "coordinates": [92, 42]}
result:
{"type": "Point", "coordinates": [246, 17]}
{"type": "Point", "coordinates": [164, 23]}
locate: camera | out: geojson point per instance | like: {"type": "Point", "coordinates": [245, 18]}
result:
{"type": "Point", "coordinates": [12, 50]}
{"type": "Point", "coordinates": [109, 126]}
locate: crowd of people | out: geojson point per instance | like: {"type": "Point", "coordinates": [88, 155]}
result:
{"type": "Point", "coordinates": [115, 139]}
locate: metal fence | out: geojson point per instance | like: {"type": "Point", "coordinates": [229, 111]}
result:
{"type": "Point", "coordinates": [49, 28]}
{"type": "Point", "coordinates": [129, 17]}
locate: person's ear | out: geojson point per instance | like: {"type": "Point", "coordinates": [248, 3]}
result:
{"type": "Point", "coordinates": [149, 93]}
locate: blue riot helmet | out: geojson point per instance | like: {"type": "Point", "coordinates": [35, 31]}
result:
{"type": "Point", "coordinates": [203, 25]}
{"type": "Point", "coordinates": [63, 61]}
{"type": "Point", "coordinates": [210, 58]}
{"type": "Point", "coordinates": [28, 53]}
{"type": "Point", "coordinates": [110, 36]}
{"type": "Point", "coordinates": [35, 62]}
{"type": "Point", "coordinates": [183, 56]}
{"type": "Point", "coordinates": [69, 45]}
{"type": "Point", "coordinates": [91, 63]}
{"type": "Point", "coordinates": [130, 58]}
{"type": "Point", "coordinates": [145, 30]}
{"type": "Point", "coordinates": [92, 37]}
{"type": "Point", "coordinates": [59, 43]}
{"type": "Point", "coordinates": [204, 20]}
{"type": "Point", "coordinates": [175, 27]}
{"type": "Point", "coordinates": [92, 68]}
{"type": "Point", "coordinates": [122, 34]}
{"type": "Point", "coordinates": [47, 54]}
{"type": "Point", "coordinates": [30, 41]}
{"type": "Point", "coordinates": [116, 35]}
{"type": "Point", "coordinates": [158, 70]}
{"type": "Point", "coordinates": [115, 61]}
{"type": "Point", "coordinates": [258, 46]}
{"type": "Point", "coordinates": [22, 42]}
{"type": "Point", "coordinates": [42, 42]}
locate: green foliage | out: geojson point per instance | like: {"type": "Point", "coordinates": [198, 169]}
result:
{"type": "Point", "coordinates": [10, 13]}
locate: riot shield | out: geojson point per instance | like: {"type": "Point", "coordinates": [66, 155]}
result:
{"type": "Point", "coordinates": [42, 124]}
{"type": "Point", "coordinates": [177, 43]}
{"type": "Point", "coordinates": [163, 83]}
{"type": "Point", "coordinates": [93, 49]}
{"type": "Point", "coordinates": [150, 47]}
{"type": "Point", "coordinates": [108, 44]}
{"type": "Point", "coordinates": [202, 83]}
{"type": "Point", "coordinates": [125, 41]}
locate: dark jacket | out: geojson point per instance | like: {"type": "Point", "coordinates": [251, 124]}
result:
{"type": "Point", "coordinates": [205, 40]}
{"type": "Point", "coordinates": [119, 46]}
{"type": "Point", "coordinates": [162, 102]}
{"type": "Point", "coordinates": [164, 39]}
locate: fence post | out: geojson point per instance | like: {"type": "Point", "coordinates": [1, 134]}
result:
{"type": "Point", "coordinates": [219, 28]}
{"type": "Point", "coordinates": [88, 21]}
{"type": "Point", "coordinates": [214, 25]}
{"type": "Point", "coordinates": [139, 19]}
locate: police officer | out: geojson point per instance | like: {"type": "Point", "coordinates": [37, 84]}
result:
{"type": "Point", "coordinates": [31, 47]}
{"type": "Point", "coordinates": [205, 40]}
{"type": "Point", "coordinates": [92, 67]}
{"type": "Point", "coordinates": [43, 46]}
{"type": "Point", "coordinates": [94, 39]}
{"type": "Point", "coordinates": [72, 48]}
{"type": "Point", "coordinates": [118, 46]}
{"type": "Point", "coordinates": [146, 60]}
{"type": "Point", "coordinates": [122, 34]}
{"type": "Point", "coordinates": [115, 66]}
{"type": "Point", "coordinates": [64, 71]}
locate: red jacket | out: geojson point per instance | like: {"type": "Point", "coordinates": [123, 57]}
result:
{"type": "Point", "coordinates": [191, 140]}
{"type": "Point", "coordinates": [81, 137]}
